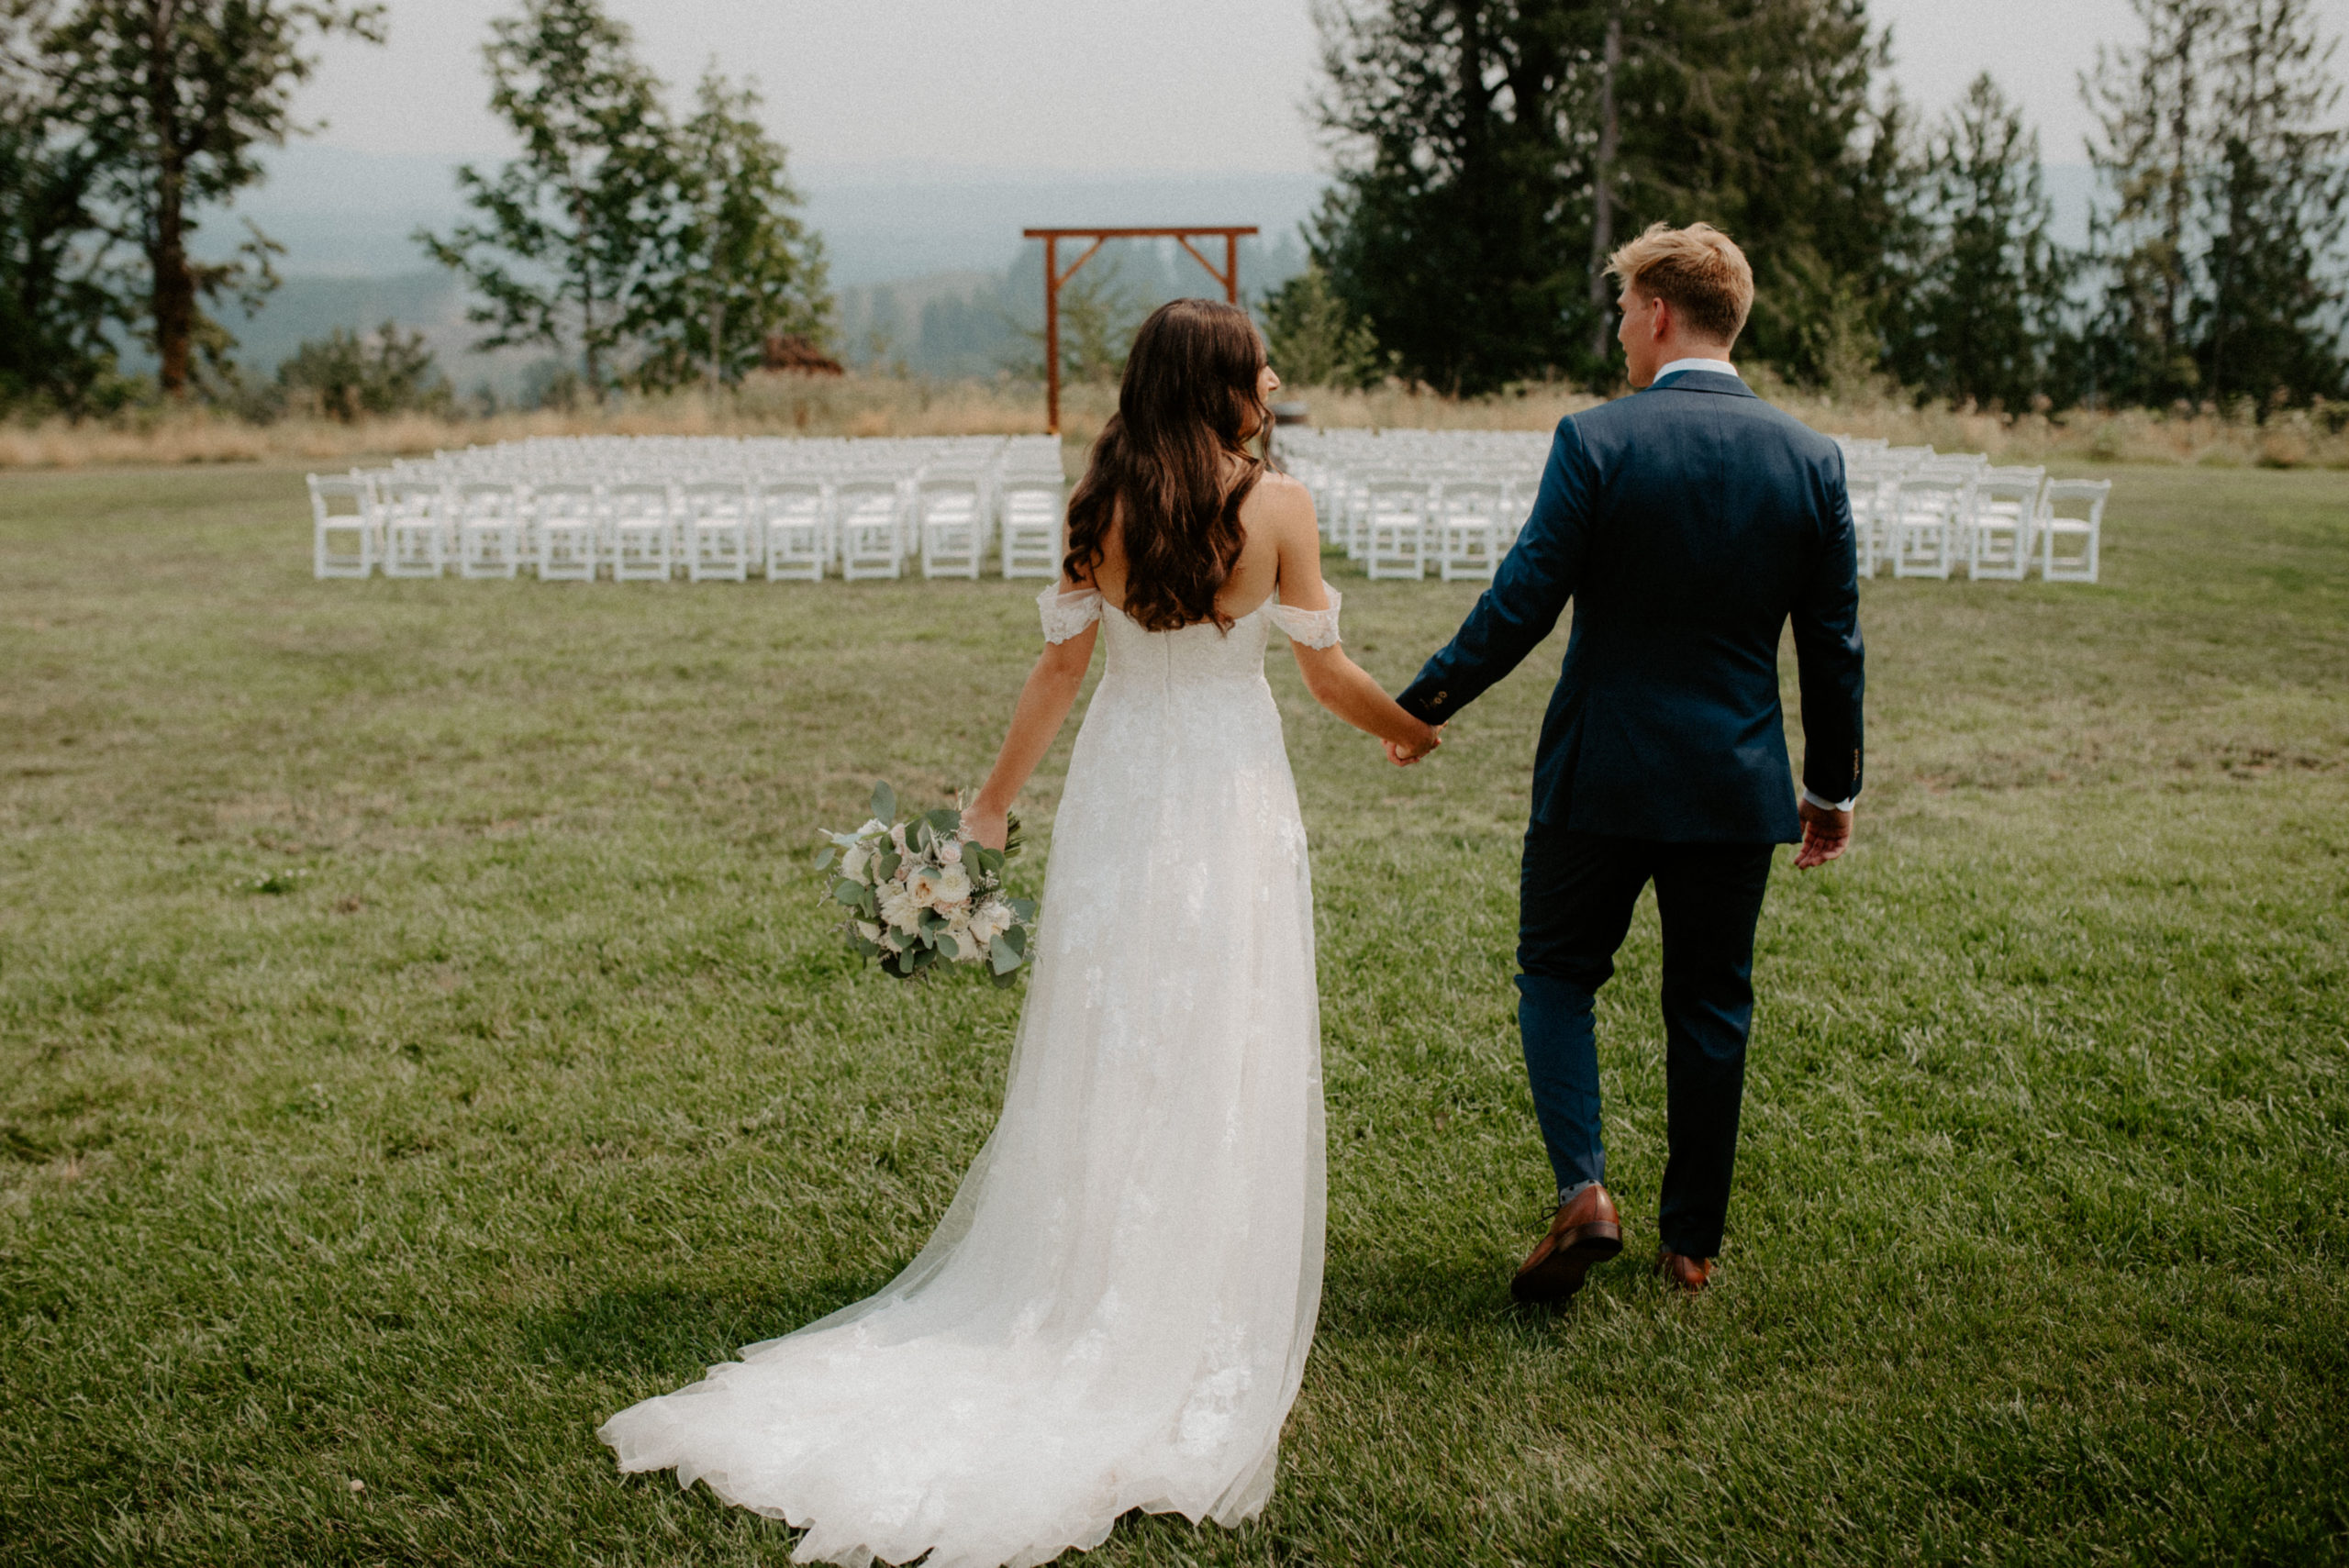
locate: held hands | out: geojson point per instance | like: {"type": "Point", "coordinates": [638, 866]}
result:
{"type": "Point", "coordinates": [1826, 834]}
{"type": "Point", "coordinates": [1402, 756]}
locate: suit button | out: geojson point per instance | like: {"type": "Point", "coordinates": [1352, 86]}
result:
{"type": "Point", "coordinates": [1440, 698]}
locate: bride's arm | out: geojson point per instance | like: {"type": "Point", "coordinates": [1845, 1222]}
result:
{"type": "Point", "coordinates": [1336, 682]}
{"type": "Point", "coordinates": [1044, 708]}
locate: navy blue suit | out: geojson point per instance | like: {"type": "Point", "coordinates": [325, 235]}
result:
{"type": "Point", "coordinates": [1688, 523]}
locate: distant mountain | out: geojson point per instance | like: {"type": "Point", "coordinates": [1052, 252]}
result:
{"type": "Point", "coordinates": [345, 214]}
{"type": "Point", "coordinates": [928, 259]}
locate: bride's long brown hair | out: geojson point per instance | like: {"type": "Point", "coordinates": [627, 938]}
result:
{"type": "Point", "coordinates": [1188, 405]}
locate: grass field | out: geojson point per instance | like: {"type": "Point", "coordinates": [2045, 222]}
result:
{"type": "Point", "coordinates": [419, 1038]}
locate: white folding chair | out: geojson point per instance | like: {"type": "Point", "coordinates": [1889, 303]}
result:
{"type": "Point", "coordinates": [1396, 512]}
{"type": "Point", "coordinates": [567, 526]}
{"type": "Point", "coordinates": [1924, 525]}
{"type": "Point", "coordinates": [946, 514]}
{"type": "Point", "coordinates": [415, 528]}
{"type": "Point", "coordinates": [1469, 528]}
{"type": "Point", "coordinates": [2072, 511]}
{"type": "Point", "coordinates": [2005, 503]}
{"type": "Point", "coordinates": [796, 525]}
{"type": "Point", "coordinates": [639, 525]}
{"type": "Point", "coordinates": [869, 513]}
{"type": "Point", "coordinates": [721, 521]}
{"type": "Point", "coordinates": [1033, 517]}
{"type": "Point", "coordinates": [489, 528]}
{"type": "Point", "coordinates": [342, 525]}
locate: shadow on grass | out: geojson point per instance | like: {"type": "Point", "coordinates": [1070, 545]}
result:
{"type": "Point", "coordinates": [679, 1329]}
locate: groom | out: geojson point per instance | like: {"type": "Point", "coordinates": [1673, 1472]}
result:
{"type": "Point", "coordinates": [1688, 523]}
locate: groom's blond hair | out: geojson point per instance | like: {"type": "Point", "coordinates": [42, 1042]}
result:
{"type": "Point", "coordinates": [1698, 271]}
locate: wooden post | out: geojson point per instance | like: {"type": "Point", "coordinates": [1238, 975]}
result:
{"type": "Point", "coordinates": [1052, 334]}
{"type": "Point", "coordinates": [1232, 268]}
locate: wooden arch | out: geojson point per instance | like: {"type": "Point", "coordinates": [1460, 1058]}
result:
{"type": "Point", "coordinates": [1228, 275]}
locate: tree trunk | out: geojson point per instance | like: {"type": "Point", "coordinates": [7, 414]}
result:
{"type": "Point", "coordinates": [172, 298]}
{"type": "Point", "coordinates": [1602, 216]}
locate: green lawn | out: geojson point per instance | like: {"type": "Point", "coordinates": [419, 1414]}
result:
{"type": "Point", "coordinates": [420, 1037]}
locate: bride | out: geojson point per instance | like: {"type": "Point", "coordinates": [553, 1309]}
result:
{"type": "Point", "coordinates": [1115, 1312]}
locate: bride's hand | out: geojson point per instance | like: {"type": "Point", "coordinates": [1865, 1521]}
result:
{"type": "Point", "coordinates": [1404, 756]}
{"type": "Point", "coordinates": [989, 828]}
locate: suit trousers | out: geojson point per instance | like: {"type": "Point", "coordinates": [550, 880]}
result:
{"type": "Point", "coordinates": [1575, 903]}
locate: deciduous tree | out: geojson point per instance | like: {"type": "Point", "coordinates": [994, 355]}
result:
{"type": "Point", "coordinates": [172, 101]}
{"type": "Point", "coordinates": [743, 264]}
{"type": "Point", "coordinates": [568, 238]}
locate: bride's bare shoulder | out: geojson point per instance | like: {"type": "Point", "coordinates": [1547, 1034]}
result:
{"type": "Point", "coordinates": [1279, 506]}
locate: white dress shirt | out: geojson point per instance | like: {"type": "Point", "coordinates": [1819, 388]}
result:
{"type": "Point", "coordinates": [1722, 367]}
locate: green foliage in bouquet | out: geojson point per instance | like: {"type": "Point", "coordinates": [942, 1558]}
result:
{"type": "Point", "coordinates": [923, 892]}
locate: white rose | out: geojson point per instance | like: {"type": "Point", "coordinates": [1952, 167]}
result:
{"type": "Point", "coordinates": [897, 835]}
{"type": "Point", "coordinates": [990, 921]}
{"type": "Point", "coordinates": [901, 909]}
{"type": "Point", "coordinates": [951, 887]}
{"type": "Point", "coordinates": [923, 886]}
{"type": "Point", "coordinates": [868, 930]}
{"type": "Point", "coordinates": [853, 864]}
{"type": "Point", "coordinates": [950, 851]}
{"type": "Point", "coordinates": [874, 828]}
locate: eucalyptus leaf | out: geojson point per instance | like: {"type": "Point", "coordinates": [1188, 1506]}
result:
{"type": "Point", "coordinates": [885, 804]}
{"type": "Point", "coordinates": [825, 856]}
{"type": "Point", "coordinates": [1004, 957]}
{"type": "Point", "coordinates": [852, 894]}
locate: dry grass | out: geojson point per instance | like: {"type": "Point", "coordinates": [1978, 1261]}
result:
{"type": "Point", "coordinates": [888, 405]}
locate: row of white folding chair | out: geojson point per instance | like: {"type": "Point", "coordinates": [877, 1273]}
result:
{"type": "Point", "coordinates": [570, 529]}
{"type": "Point", "coordinates": [1993, 520]}
{"type": "Point", "coordinates": [1462, 526]}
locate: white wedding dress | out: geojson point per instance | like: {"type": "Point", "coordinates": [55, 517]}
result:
{"type": "Point", "coordinates": [1115, 1312]}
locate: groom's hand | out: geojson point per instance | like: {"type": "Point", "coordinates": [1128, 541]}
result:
{"type": "Point", "coordinates": [1404, 756]}
{"type": "Point", "coordinates": [1826, 834]}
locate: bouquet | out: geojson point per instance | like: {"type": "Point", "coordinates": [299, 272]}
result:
{"type": "Point", "coordinates": [924, 893]}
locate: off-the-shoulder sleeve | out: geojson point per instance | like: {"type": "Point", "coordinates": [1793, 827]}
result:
{"type": "Point", "coordinates": [1066, 614]}
{"type": "Point", "coordinates": [1315, 629]}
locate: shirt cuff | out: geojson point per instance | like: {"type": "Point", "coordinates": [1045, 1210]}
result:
{"type": "Point", "coordinates": [1810, 799]}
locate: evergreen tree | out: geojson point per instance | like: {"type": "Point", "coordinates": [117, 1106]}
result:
{"type": "Point", "coordinates": [743, 265]}
{"type": "Point", "coordinates": [1311, 337]}
{"type": "Point", "coordinates": [1980, 315]}
{"type": "Point", "coordinates": [571, 236]}
{"type": "Point", "coordinates": [2151, 101]}
{"type": "Point", "coordinates": [1758, 117]}
{"type": "Point", "coordinates": [1459, 218]}
{"type": "Point", "coordinates": [60, 288]}
{"type": "Point", "coordinates": [2266, 323]}
{"type": "Point", "coordinates": [1490, 150]}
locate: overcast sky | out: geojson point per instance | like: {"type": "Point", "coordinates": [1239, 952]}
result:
{"type": "Point", "coordinates": [1094, 85]}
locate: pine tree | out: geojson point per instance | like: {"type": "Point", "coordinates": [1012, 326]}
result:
{"type": "Point", "coordinates": [1981, 315]}
{"type": "Point", "coordinates": [1489, 150]}
{"type": "Point", "coordinates": [2151, 101]}
{"type": "Point", "coordinates": [61, 287]}
{"type": "Point", "coordinates": [573, 233]}
{"type": "Point", "coordinates": [1458, 220]}
{"type": "Point", "coordinates": [1311, 337]}
{"type": "Point", "coordinates": [2266, 324]}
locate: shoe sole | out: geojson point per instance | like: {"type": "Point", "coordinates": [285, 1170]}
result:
{"type": "Point", "coordinates": [1555, 1279]}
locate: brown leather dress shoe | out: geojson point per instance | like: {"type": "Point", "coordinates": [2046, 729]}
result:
{"type": "Point", "coordinates": [1691, 1275]}
{"type": "Point", "coordinates": [1585, 1231]}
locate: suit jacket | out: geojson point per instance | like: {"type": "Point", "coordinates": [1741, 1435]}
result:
{"type": "Point", "coordinates": [1688, 523]}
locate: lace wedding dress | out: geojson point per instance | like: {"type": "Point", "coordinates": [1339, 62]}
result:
{"type": "Point", "coordinates": [1114, 1313]}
